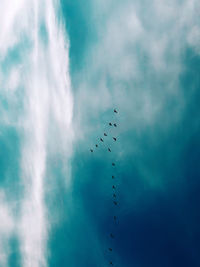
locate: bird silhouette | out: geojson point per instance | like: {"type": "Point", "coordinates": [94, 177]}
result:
{"type": "Point", "coordinates": [110, 249]}
{"type": "Point", "coordinates": [113, 187]}
{"type": "Point", "coordinates": [112, 236]}
{"type": "Point", "coordinates": [96, 145]}
{"type": "Point", "coordinates": [101, 139]}
{"type": "Point", "coordinates": [105, 134]}
{"type": "Point", "coordinates": [109, 149]}
{"type": "Point", "coordinates": [115, 111]}
{"type": "Point", "coordinates": [91, 150]}
{"type": "Point", "coordinates": [113, 164]}
{"type": "Point", "coordinates": [115, 124]}
{"type": "Point", "coordinates": [113, 177]}
{"type": "Point", "coordinates": [110, 123]}
{"type": "Point", "coordinates": [114, 138]}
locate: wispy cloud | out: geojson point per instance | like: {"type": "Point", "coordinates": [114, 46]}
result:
{"type": "Point", "coordinates": [35, 57]}
{"type": "Point", "coordinates": [6, 229]}
{"type": "Point", "coordinates": [136, 65]}
{"type": "Point", "coordinates": [138, 45]}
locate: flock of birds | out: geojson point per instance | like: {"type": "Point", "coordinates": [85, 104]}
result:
{"type": "Point", "coordinates": [114, 194]}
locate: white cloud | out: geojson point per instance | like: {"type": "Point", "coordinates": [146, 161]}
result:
{"type": "Point", "coordinates": [139, 46]}
{"type": "Point", "coordinates": [194, 38]}
{"type": "Point", "coordinates": [11, 23]}
{"type": "Point", "coordinates": [13, 80]}
{"type": "Point", "coordinates": [136, 66]}
{"type": "Point", "coordinates": [45, 117]}
{"type": "Point", "coordinates": [6, 229]}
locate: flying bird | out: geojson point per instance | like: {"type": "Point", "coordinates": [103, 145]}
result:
{"type": "Point", "coordinates": [110, 249]}
{"type": "Point", "coordinates": [91, 150]}
{"type": "Point", "coordinates": [115, 202]}
{"type": "Point", "coordinates": [115, 218]}
{"type": "Point", "coordinates": [115, 124]}
{"type": "Point", "coordinates": [113, 177]}
{"type": "Point", "coordinates": [113, 187]}
{"type": "Point", "coordinates": [109, 149]}
{"type": "Point", "coordinates": [96, 145]}
{"type": "Point", "coordinates": [105, 134]}
{"type": "Point", "coordinates": [114, 138]}
{"type": "Point", "coordinates": [115, 111]}
{"type": "Point", "coordinates": [111, 263]}
{"type": "Point", "coordinates": [110, 123]}
{"type": "Point", "coordinates": [113, 164]}
{"type": "Point", "coordinates": [101, 139]}
{"type": "Point", "coordinates": [112, 236]}
{"type": "Point", "coordinates": [114, 195]}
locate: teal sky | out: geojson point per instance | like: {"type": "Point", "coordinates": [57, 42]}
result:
{"type": "Point", "coordinates": [64, 67]}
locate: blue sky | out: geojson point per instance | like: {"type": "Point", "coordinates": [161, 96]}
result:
{"type": "Point", "coordinates": [64, 67]}
{"type": "Point", "coordinates": [143, 58]}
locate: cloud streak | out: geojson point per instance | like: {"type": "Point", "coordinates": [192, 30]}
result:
{"type": "Point", "coordinates": [35, 53]}
{"type": "Point", "coordinates": [6, 229]}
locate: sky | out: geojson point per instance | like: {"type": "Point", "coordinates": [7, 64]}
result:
{"type": "Point", "coordinates": [64, 67]}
